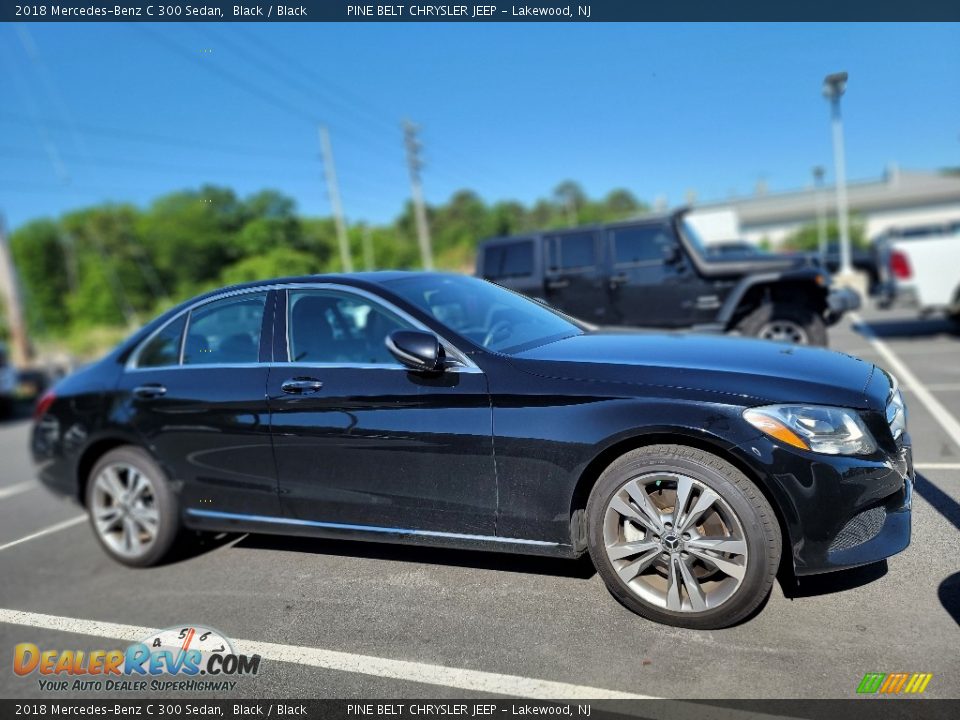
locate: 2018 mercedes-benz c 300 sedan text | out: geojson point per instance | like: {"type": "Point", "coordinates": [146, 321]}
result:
{"type": "Point", "coordinates": [444, 410]}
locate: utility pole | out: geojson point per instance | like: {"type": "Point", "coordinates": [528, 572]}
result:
{"type": "Point", "coordinates": [821, 214]}
{"type": "Point", "coordinates": [369, 263]}
{"type": "Point", "coordinates": [415, 165]}
{"type": "Point", "coordinates": [11, 296]}
{"type": "Point", "coordinates": [333, 190]}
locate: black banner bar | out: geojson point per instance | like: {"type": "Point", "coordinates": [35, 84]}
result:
{"type": "Point", "coordinates": [474, 11]}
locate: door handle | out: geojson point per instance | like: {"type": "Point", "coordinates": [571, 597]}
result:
{"type": "Point", "coordinates": [149, 391]}
{"type": "Point", "coordinates": [301, 386]}
{"type": "Point", "coordinates": [558, 284]}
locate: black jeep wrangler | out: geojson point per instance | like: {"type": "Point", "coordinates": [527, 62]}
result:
{"type": "Point", "coordinates": [656, 272]}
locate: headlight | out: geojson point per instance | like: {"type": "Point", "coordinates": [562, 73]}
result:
{"type": "Point", "coordinates": [822, 429]}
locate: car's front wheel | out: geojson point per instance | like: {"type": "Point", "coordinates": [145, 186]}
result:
{"type": "Point", "coordinates": [683, 537]}
{"type": "Point", "coordinates": [133, 511]}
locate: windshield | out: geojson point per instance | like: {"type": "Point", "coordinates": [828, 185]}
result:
{"type": "Point", "coordinates": [484, 313]}
{"type": "Point", "coordinates": [693, 237]}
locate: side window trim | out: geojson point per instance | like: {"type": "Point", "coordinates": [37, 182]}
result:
{"type": "Point", "coordinates": [281, 339]}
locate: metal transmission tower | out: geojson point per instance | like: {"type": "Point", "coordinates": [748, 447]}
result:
{"type": "Point", "coordinates": [415, 164]}
{"type": "Point", "coordinates": [333, 189]}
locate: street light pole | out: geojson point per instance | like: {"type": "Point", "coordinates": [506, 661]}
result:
{"type": "Point", "coordinates": [833, 88]}
{"type": "Point", "coordinates": [821, 214]}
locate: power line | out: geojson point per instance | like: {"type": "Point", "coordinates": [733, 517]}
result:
{"type": "Point", "coordinates": [115, 133]}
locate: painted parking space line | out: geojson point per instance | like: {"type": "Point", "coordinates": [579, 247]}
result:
{"type": "Point", "coordinates": [936, 466]}
{"type": "Point", "coordinates": [46, 531]}
{"type": "Point", "coordinates": [12, 490]}
{"type": "Point", "coordinates": [417, 672]}
{"type": "Point", "coordinates": [943, 416]}
{"type": "Point", "coordinates": [943, 387]}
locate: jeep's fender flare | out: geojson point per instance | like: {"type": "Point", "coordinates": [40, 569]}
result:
{"type": "Point", "coordinates": [727, 311]}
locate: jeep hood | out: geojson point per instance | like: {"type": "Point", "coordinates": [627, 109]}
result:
{"type": "Point", "coordinates": [754, 371]}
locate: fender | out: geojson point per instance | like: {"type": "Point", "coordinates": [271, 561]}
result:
{"type": "Point", "coordinates": [802, 275]}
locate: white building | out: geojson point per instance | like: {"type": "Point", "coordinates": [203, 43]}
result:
{"type": "Point", "coordinates": [899, 199]}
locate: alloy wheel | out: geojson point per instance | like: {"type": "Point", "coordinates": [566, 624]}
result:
{"type": "Point", "coordinates": [675, 542]}
{"type": "Point", "coordinates": [124, 510]}
{"type": "Point", "coordinates": [786, 331]}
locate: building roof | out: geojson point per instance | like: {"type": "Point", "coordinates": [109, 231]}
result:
{"type": "Point", "coordinates": [896, 189]}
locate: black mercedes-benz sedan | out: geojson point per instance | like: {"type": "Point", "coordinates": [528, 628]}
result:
{"type": "Point", "coordinates": [444, 410]}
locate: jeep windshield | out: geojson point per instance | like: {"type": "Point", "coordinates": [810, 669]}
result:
{"type": "Point", "coordinates": [693, 238]}
{"type": "Point", "coordinates": [485, 314]}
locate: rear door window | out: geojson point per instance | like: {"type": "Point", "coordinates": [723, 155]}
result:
{"type": "Point", "coordinates": [225, 332]}
{"type": "Point", "coordinates": [572, 252]}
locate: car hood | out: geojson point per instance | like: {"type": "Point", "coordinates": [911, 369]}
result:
{"type": "Point", "coordinates": [755, 371]}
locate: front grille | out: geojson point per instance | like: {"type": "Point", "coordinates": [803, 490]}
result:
{"type": "Point", "coordinates": [862, 527]}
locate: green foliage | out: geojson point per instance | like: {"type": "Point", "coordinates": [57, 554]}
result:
{"type": "Point", "coordinates": [277, 262]}
{"type": "Point", "coordinates": [90, 273]}
{"type": "Point", "coordinates": [808, 237]}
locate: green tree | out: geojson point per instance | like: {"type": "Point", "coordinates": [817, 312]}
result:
{"type": "Point", "coordinates": [39, 253]}
{"type": "Point", "coordinates": [807, 237]}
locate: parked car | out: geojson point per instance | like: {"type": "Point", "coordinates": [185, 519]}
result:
{"type": "Point", "coordinates": [921, 269]}
{"type": "Point", "coordinates": [655, 272]}
{"type": "Point", "coordinates": [8, 383]}
{"type": "Point", "coordinates": [734, 248]}
{"type": "Point", "coordinates": [436, 409]}
{"type": "Point", "coordinates": [862, 260]}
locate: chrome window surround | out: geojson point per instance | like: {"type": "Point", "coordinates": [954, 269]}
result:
{"type": "Point", "coordinates": [466, 364]}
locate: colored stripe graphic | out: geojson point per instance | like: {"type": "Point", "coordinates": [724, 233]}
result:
{"type": "Point", "coordinates": [894, 683]}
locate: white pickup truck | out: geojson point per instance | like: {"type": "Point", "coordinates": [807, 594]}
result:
{"type": "Point", "coordinates": [921, 269]}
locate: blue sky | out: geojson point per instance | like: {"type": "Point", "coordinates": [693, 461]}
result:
{"type": "Point", "coordinates": [506, 109]}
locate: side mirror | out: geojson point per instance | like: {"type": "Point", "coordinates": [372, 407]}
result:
{"type": "Point", "coordinates": [417, 350]}
{"type": "Point", "coordinates": [671, 254]}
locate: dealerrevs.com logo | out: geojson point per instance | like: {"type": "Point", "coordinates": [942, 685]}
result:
{"type": "Point", "coordinates": [187, 658]}
{"type": "Point", "coordinates": [894, 683]}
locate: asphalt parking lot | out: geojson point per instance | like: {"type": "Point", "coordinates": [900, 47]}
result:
{"type": "Point", "coordinates": [338, 619]}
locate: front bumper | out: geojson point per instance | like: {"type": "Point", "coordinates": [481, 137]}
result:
{"type": "Point", "coordinates": [839, 301]}
{"type": "Point", "coordinates": [839, 512]}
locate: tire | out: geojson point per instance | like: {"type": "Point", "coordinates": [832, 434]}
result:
{"type": "Point", "coordinates": [785, 323]}
{"type": "Point", "coordinates": [111, 478]}
{"type": "Point", "coordinates": [740, 508]}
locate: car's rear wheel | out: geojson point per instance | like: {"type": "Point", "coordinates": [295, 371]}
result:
{"type": "Point", "coordinates": [683, 537]}
{"type": "Point", "coordinates": [134, 514]}
{"type": "Point", "coordinates": [786, 323]}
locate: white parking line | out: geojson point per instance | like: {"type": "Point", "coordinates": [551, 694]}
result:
{"type": "Point", "coordinates": [12, 490]}
{"type": "Point", "coordinates": [463, 679]}
{"type": "Point", "coordinates": [46, 531]}
{"type": "Point", "coordinates": [937, 466]}
{"type": "Point", "coordinates": [943, 416]}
